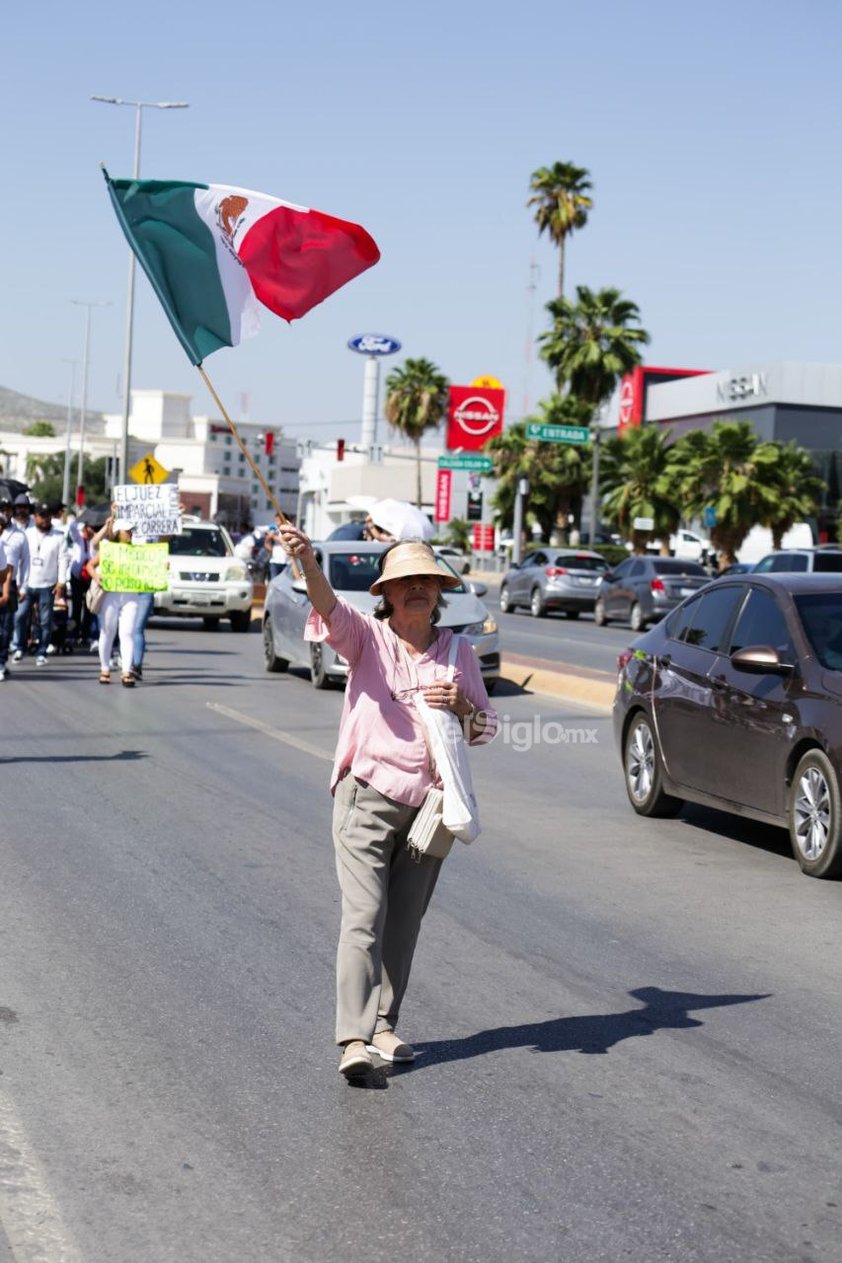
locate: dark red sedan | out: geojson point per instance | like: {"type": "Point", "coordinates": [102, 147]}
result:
{"type": "Point", "coordinates": [735, 701]}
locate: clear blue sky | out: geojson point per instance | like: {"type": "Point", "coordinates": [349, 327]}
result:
{"type": "Point", "coordinates": [711, 132]}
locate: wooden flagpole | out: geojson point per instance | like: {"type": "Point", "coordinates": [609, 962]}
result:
{"type": "Point", "coordinates": [258, 475]}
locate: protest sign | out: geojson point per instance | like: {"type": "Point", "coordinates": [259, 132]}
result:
{"type": "Point", "coordinates": [151, 508]}
{"type": "Point", "coordinates": [134, 567]}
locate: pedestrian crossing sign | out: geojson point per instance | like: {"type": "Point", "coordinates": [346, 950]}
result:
{"type": "Point", "coordinates": [148, 469]}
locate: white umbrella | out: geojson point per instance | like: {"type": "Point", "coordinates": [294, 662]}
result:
{"type": "Point", "coordinates": [401, 519]}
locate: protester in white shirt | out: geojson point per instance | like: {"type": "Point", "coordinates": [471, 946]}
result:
{"type": "Point", "coordinates": [16, 549]}
{"type": "Point", "coordinates": [44, 581]}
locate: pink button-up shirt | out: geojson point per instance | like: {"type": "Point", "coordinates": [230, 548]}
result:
{"type": "Point", "coordinates": [381, 737]}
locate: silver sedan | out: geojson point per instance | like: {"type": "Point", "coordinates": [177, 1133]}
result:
{"type": "Point", "coordinates": [351, 567]}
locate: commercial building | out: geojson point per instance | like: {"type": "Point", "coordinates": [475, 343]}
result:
{"type": "Point", "coordinates": [786, 401]}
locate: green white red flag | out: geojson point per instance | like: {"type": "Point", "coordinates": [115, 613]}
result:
{"type": "Point", "coordinates": [214, 254]}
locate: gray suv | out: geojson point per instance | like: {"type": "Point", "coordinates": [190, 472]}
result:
{"type": "Point", "coordinates": [553, 579]}
{"type": "Point", "coordinates": [821, 560]}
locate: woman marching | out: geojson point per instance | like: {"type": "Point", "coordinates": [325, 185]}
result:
{"type": "Point", "coordinates": [118, 611]}
{"type": "Point", "coordinates": [381, 774]}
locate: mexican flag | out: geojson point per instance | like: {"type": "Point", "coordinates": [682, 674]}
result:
{"type": "Point", "coordinates": [214, 254]}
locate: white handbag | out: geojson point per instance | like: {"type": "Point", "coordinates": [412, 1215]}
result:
{"type": "Point", "coordinates": [446, 741]}
{"type": "Point", "coordinates": [427, 834]}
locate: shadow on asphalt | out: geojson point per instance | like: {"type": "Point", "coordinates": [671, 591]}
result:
{"type": "Point", "coordinates": [124, 755]}
{"type": "Point", "coordinates": [591, 1034]}
{"type": "Point", "coordinates": [771, 838]}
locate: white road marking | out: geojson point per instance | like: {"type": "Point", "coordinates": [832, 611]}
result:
{"type": "Point", "coordinates": [275, 733]}
{"type": "Point", "coordinates": [29, 1216]}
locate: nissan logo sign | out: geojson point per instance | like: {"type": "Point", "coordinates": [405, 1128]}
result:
{"type": "Point", "coordinates": [374, 344]}
{"type": "Point", "coordinates": [476, 415]}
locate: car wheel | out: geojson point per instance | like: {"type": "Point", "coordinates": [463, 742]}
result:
{"type": "Point", "coordinates": [210, 624]}
{"type": "Point", "coordinates": [318, 676]}
{"type": "Point", "coordinates": [642, 767]}
{"type": "Point", "coordinates": [537, 608]}
{"type": "Point", "coordinates": [272, 661]}
{"type": "Point", "coordinates": [572, 614]}
{"type": "Point", "coordinates": [240, 620]}
{"type": "Point", "coordinates": [636, 620]}
{"type": "Point", "coordinates": [505, 600]}
{"type": "Point", "coordinates": [599, 613]}
{"type": "Point", "coordinates": [815, 816]}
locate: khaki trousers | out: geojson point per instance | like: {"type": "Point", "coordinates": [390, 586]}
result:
{"type": "Point", "coordinates": [385, 894]}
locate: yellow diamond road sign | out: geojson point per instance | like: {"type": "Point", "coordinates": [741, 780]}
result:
{"type": "Point", "coordinates": [148, 469]}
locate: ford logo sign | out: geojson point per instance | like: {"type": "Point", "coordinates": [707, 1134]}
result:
{"type": "Point", "coordinates": [374, 344]}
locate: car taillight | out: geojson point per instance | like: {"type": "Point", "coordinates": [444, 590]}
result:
{"type": "Point", "coordinates": [623, 659]}
{"type": "Point", "coordinates": [552, 571]}
{"type": "Point", "coordinates": [657, 585]}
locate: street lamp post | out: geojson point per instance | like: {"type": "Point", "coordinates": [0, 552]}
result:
{"type": "Point", "coordinates": [71, 392]}
{"type": "Point", "coordinates": [83, 411]}
{"type": "Point", "coordinates": [139, 107]}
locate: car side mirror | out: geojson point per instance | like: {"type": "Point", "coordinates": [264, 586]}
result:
{"type": "Point", "coordinates": [760, 660]}
{"type": "Point", "coordinates": [478, 589]}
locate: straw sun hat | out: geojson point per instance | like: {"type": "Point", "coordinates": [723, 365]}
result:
{"type": "Point", "coordinates": [412, 558]}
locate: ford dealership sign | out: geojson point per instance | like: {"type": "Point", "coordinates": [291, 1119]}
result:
{"type": "Point", "coordinates": [374, 344]}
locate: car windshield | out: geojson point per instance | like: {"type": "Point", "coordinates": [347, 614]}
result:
{"type": "Point", "coordinates": [356, 571]}
{"type": "Point", "coordinates": [353, 572]}
{"type": "Point", "coordinates": [578, 562]}
{"type": "Point", "coordinates": [821, 618]}
{"type": "Point", "coordinates": [203, 541]}
{"type": "Point", "coordinates": [671, 565]}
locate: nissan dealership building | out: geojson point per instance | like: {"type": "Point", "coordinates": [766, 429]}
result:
{"type": "Point", "coordinates": [786, 401]}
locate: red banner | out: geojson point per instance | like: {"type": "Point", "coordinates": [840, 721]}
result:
{"type": "Point", "coordinates": [444, 486]}
{"type": "Point", "coordinates": [483, 539]}
{"type": "Point", "coordinates": [475, 415]}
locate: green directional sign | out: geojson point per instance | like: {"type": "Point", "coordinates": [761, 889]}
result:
{"type": "Point", "coordinates": [558, 433]}
{"type": "Point", "coordinates": [478, 464]}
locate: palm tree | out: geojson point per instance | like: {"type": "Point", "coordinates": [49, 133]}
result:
{"type": "Point", "coordinates": [593, 342]}
{"type": "Point", "coordinates": [636, 475]}
{"type": "Point", "coordinates": [799, 490]}
{"type": "Point", "coordinates": [558, 473]}
{"type": "Point", "coordinates": [561, 201]}
{"type": "Point", "coordinates": [729, 469]}
{"type": "Point", "coordinates": [416, 400]}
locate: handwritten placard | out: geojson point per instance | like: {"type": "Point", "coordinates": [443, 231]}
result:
{"type": "Point", "coordinates": [134, 567]}
{"type": "Point", "coordinates": [152, 509]}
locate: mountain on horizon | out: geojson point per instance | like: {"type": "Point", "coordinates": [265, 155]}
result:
{"type": "Point", "coordinates": [18, 411]}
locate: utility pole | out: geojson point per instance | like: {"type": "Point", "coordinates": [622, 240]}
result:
{"type": "Point", "coordinates": [139, 107]}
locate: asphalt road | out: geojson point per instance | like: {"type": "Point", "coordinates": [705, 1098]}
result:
{"type": "Point", "coordinates": [628, 1031]}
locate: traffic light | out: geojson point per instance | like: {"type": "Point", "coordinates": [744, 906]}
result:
{"type": "Point", "coordinates": [340, 449]}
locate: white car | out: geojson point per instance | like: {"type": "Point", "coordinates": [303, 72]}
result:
{"type": "Point", "coordinates": [685, 545]}
{"type": "Point", "coordinates": [207, 579]}
{"type": "Point", "coordinates": [457, 559]}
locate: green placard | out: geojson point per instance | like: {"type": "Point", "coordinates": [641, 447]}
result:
{"type": "Point", "coordinates": [134, 567]}
{"type": "Point", "coordinates": [479, 464]}
{"type": "Point", "coordinates": [558, 433]}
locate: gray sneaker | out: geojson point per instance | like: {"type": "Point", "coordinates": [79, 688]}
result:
{"type": "Point", "coordinates": [17, 656]}
{"type": "Point", "coordinates": [41, 660]}
{"type": "Point", "coordinates": [355, 1060]}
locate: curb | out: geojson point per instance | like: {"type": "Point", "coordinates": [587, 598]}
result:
{"type": "Point", "coordinates": [589, 688]}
